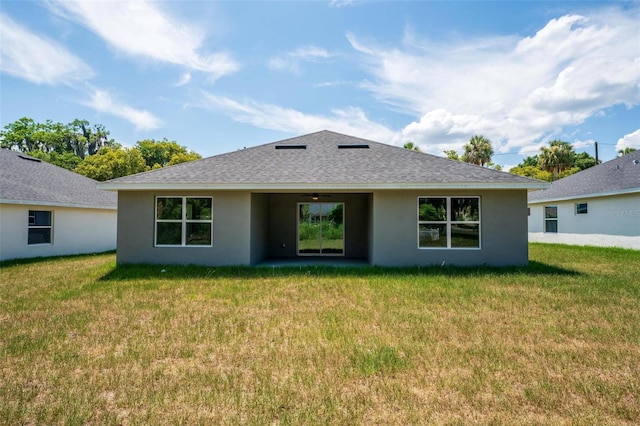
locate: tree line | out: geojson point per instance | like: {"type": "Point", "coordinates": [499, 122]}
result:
{"type": "Point", "coordinates": [88, 150]}
{"type": "Point", "coordinates": [555, 161]}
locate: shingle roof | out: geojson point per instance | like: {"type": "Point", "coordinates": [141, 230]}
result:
{"type": "Point", "coordinates": [620, 175]}
{"type": "Point", "coordinates": [323, 160]}
{"type": "Point", "coordinates": [26, 180]}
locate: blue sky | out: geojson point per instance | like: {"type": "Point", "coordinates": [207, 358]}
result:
{"type": "Point", "coordinates": [219, 76]}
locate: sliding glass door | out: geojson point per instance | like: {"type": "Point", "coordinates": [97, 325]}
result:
{"type": "Point", "coordinates": [321, 229]}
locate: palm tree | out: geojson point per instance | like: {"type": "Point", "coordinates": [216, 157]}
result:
{"type": "Point", "coordinates": [412, 147]}
{"type": "Point", "coordinates": [557, 157]}
{"type": "Point", "coordinates": [478, 151]}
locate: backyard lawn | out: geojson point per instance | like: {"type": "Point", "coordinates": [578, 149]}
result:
{"type": "Point", "coordinates": [85, 342]}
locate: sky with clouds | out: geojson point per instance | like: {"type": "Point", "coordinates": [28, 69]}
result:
{"type": "Point", "coordinates": [220, 76]}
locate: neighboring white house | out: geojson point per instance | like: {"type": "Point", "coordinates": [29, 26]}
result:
{"type": "Point", "coordinates": [46, 210]}
{"type": "Point", "coordinates": [599, 206]}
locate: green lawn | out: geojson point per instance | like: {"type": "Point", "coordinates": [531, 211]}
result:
{"type": "Point", "coordinates": [85, 342]}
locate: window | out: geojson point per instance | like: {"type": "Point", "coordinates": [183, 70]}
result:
{"type": "Point", "coordinates": [184, 221]}
{"type": "Point", "coordinates": [449, 222]}
{"type": "Point", "coordinates": [40, 227]}
{"type": "Point", "coordinates": [550, 219]}
{"type": "Point", "coordinates": [581, 208]}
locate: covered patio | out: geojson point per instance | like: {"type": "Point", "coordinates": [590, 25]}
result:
{"type": "Point", "coordinates": [317, 228]}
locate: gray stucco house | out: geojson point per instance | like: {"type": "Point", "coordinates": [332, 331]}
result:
{"type": "Point", "coordinates": [599, 206]}
{"type": "Point", "coordinates": [323, 195]}
{"type": "Point", "coordinates": [46, 210]}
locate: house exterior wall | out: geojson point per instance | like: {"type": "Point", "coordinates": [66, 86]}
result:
{"type": "Point", "coordinates": [611, 221]}
{"type": "Point", "coordinates": [381, 227]}
{"type": "Point", "coordinates": [231, 230]}
{"type": "Point", "coordinates": [503, 230]}
{"type": "Point", "coordinates": [74, 231]}
{"type": "Point", "coordinates": [259, 227]}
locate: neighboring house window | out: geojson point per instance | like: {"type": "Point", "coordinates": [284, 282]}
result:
{"type": "Point", "coordinates": [40, 227]}
{"type": "Point", "coordinates": [550, 219]}
{"type": "Point", "coordinates": [581, 208]}
{"type": "Point", "coordinates": [184, 221]}
{"type": "Point", "coordinates": [449, 222]}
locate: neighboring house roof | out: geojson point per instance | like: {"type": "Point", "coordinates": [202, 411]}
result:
{"type": "Point", "coordinates": [27, 180]}
{"type": "Point", "coordinates": [322, 161]}
{"type": "Point", "coordinates": [618, 176]}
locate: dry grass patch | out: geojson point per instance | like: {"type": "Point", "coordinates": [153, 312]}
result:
{"type": "Point", "coordinates": [85, 342]}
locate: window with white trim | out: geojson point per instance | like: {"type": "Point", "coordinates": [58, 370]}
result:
{"type": "Point", "coordinates": [551, 219]}
{"type": "Point", "coordinates": [581, 208]}
{"type": "Point", "coordinates": [184, 221]}
{"type": "Point", "coordinates": [40, 227]}
{"type": "Point", "coordinates": [449, 222]}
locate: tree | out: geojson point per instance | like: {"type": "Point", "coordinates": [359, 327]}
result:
{"type": "Point", "coordinates": [23, 135]}
{"type": "Point", "coordinates": [478, 151]}
{"type": "Point", "coordinates": [112, 162]}
{"type": "Point", "coordinates": [583, 161]}
{"type": "Point", "coordinates": [84, 139]}
{"type": "Point", "coordinates": [556, 161]}
{"type": "Point", "coordinates": [529, 161]}
{"type": "Point", "coordinates": [163, 153]}
{"type": "Point", "coordinates": [533, 172]}
{"type": "Point", "coordinates": [556, 158]}
{"type": "Point", "coordinates": [73, 145]}
{"type": "Point", "coordinates": [627, 150]}
{"type": "Point", "coordinates": [77, 137]}
{"type": "Point", "coordinates": [412, 147]}
{"type": "Point", "coordinates": [66, 160]}
{"type": "Point", "coordinates": [494, 166]}
{"type": "Point", "coordinates": [451, 154]}
{"type": "Point", "coordinates": [183, 157]}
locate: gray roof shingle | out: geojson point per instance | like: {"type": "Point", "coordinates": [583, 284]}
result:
{"type": "Point", "coordinates": [322, 163]}
{"type": "Point", "coordinates": [620, 175]}
{"type": "Point", "coordinates": [26, 180]}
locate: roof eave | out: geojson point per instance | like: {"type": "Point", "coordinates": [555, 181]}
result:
{"type": "Point", "coordinates": [56, 204]}
{"type": "Point", "coordinates": [582, 196]}
{"type": "Point", "coordinates": [263, 187]}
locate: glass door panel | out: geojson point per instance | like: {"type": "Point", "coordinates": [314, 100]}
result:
{"type": "Point", "coordinates": [332, 241]}
{"type": "Point", "coordinates": [308, 229]}
{"type": "Point", "coordinates": [320, 229]}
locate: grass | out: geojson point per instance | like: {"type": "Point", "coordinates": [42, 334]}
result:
{"type": "Point", "coordinates": [85, 342]}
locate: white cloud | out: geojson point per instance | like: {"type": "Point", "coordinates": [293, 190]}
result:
{"type": "Point", "coordinates": [102, 101]}
{"type": "Point", "coordinates": [350, 120]}
{"type": "Point", "coordinates": [579, 144]}
{"type": "Point", "coordinates": [184, 79]}
{"type": "Point", "coordinates": [142, 29]}
{"type": "Point", "coordinates": [42, 61]}
{"type": "Point", "coordinates": [342, 3]}
{"type": "Point", "coordinates": [37, 59]}
{"type": "Point", "coordinates": [290, 61]}
{"type": "Point", "coordinates": [632, 140]}
{"type": "Point", "coordinates": [514, 91]}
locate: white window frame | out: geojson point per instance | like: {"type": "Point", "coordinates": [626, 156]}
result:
{"type": "Point", "coordinates": [549, 219]}
{"type": "Point", "coordinates": [586, 208]}
{"type": "Point", "coordinates": [184, 221]}
{"type": "Point", "coordinates": [448, 222]}
{"type": "Point", "coordinates": [34, 226]}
